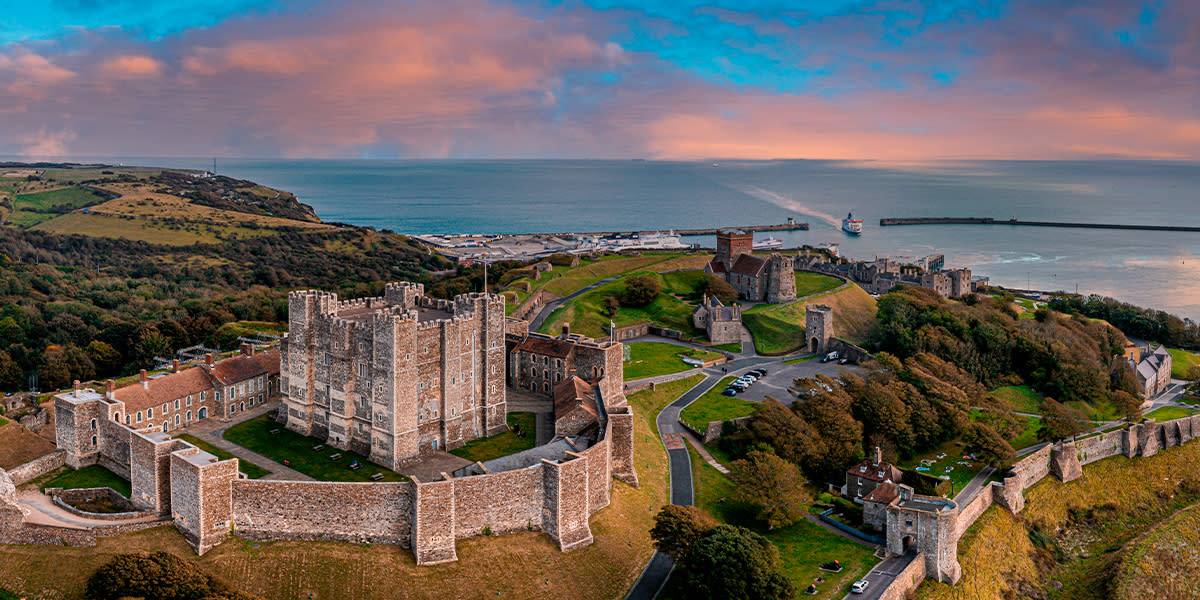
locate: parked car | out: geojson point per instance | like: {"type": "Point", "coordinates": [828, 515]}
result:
{"type": "Point", "coordinates": [757, 372]}
{"type": "Point", "coordinates": [740, 386]}
{"type": "Point", "coordinates": [859, 586]}
{"type": "Point", "coordinates": [729, 391]}
{"type": "Point", "coordinates": [831, 356]}
{"type": "Point", "coordinates": [843, 361]}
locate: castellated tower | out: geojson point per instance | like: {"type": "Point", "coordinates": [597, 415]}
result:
{"type": "Point", "coordinates": [781, 279]}
{"type": "Point", "coordinates": [818, 327]}
{"type": "Point", "coordinates": [394, 377]}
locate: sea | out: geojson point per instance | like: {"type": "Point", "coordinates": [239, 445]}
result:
{"type": "Point", "coordinates": [1147, 268]}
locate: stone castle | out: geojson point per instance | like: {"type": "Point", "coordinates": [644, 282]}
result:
{"type": "Point", "coordinates": [553, 488]}
{"type": "Point", "coordinates": [771, 280]}
{"type": "Point", "coordinates": [394, 377]}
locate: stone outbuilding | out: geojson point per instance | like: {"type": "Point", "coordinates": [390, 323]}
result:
{"type": "Point", "coordinates": [575, 409]}
{"type": "Point", "coordinates": [863, 478]}
{"type": "Point", "coordinates": [723, 324]}
{"type": "Point", "coordinates": [1153, 370]}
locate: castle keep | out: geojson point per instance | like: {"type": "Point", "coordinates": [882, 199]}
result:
{"type": "Point", "coordinates": [397, 376]}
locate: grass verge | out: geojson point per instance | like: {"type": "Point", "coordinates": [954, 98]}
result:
{"type": "Point", "coordinates": [1169, 413]}
{"type": "Point", "coordinates": [647, 359]}
{"type": "Point", "coordinates": [712, 406]}
{"type": "Point", "coordinates": [93, 476]}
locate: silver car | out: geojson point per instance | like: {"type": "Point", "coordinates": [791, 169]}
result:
{"type": "Point", "coordinates": [859, 586]}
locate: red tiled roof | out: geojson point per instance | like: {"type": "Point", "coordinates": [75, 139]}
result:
{"type": "Point", "coordinates": [163, 389]}
{"type": "Point", "coordinates": [869, 469]}
{"type": "Point", "coordinates": [883, 493]}
{"type": "Point", "coordinates": [748, 264]}
{"type": "Point", "coordinates": [236, 369]}
{"type": "Point", "coordinates": [572, 393]}
{"type": "Point", "coordinates": [269, 361]}
{"type": "Point", "coordinates": [552, 347]}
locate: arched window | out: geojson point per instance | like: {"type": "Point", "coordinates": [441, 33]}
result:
{"type": "Point", "coordinates": [93, 424]}
{"type": "Point", "coordinates": [93, 440]}
{"type": "Point", "coordinates": [189, 416]}
{"type": "Point", "coordinates": [177, 420]}
{"type": "Point", "coordinates": [165, 426]}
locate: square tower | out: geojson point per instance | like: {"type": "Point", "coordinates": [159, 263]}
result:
{"type": "Point", "coordinates": [732, 243]}
{"type": "Point", "coordinates": [818, 327]}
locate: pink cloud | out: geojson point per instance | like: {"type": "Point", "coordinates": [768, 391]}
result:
{"type": "Point", "coordinates": [29, 74]}
{"type": "Point", "coordinates": [130, 66]}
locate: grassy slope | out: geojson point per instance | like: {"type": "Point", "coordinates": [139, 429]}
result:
{"type": "Point", "coordinates": [802, 546]}
{"type": "Point", "coordinates": [647, 359]}
{"type": "Point", "coordinates": [502, 444]}
{"type": "Point", "coordinates": [251, 470]}
{"type": "Point", "coordinates": [19, 445]}
{"type": "Point", "coordinates": [1182, 362]}
{"type": "Point", "coordinates": [781, 329]}
{"type": "Point", "coordinates": [1168, 413]}
{"type": "Point", "coordinates": [563, 281]}
{"type": "Point", "coordinates": [712, 406]}
{"type": "Point", "coordinates": [1022, 398]}
{"type": "Point", "coordinates": [1163, 563]}
{"type": "Point", "coordinates": [808, 284]}
{"type": "Point", "coordinates": [671, 309]}
{"type": "Point", "coordinates": [510, 566]}
{"type": "Point", "coordinates": [1127, 495]}
{"type": "Point", "coordinates": [87, 477]}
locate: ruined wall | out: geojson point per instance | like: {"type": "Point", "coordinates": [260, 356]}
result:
{"type": "Point", "coordinates": [38, 467]}
{"type": "Point", "coordinates": [967, 513]}
{"type": "Point", "coordinates": [619, 433]}
{"type": "Point", "coordinates": [308, 510]}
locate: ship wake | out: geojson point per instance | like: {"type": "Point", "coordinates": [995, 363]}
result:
{"type": "Point", "coordinates": [791, 204]}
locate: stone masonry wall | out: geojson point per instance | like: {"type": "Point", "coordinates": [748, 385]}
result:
{"type": "Point", "coordinates": [38, 467]}
{"type": "Point", "coordinates": [309, 510]}
{"type": "Point", "coordinates": [906, 581]}
{"type": "Point", "coordinates": [1101, 446]}
{"type": "Point", "coordinates": [970, 511]}
{"type": "Point", "coordinates": [503, 502]}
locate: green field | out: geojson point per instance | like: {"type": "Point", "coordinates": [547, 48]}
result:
{"type": "Point", "coordinates": [251, 470]}
{"type": "Point", "coordinates": [1182, 362]}
{"type": "Point", "coordinates": [799, 359]}
{"type": "Point", "coordinates": [734, 347]}
{"type": "Point", "coordinates": [672, 308]}
{"type": "Point", "coordinates": [803, 547]}
{"type": "Point", "coordinates": [1169, 413]}
{"type": "Point", "coordinates": [808, 284]}
{"type": "Point", "coordinates": [1022, 398]}
{"type": "Point", "coordinates": [297, 450]}
{"type": "Point", "coordinates": [647, 359]}
{"type": "Point", "coordinates": [712, 406]}
{"type": "Point", "coordinates": [93, 476]}
{"type": "Point", "coordinates": [502, 444]}
{"type": "Point", "coordinates": [31, 209]}
{"type": "Point", "coordinates": [959, 475]}
{"type": "Point", "coordinates": [1027, 436]}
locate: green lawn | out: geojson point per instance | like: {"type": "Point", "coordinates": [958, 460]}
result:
{"type": "Point", "coordinates": [735, 347]}
{"type": "Point", "coordinates": [251, 470]}
{"type": "Point", "coordinates": [255, 435]}
{"type": "Point", "coordinates": [1169, 413]}
{"type": "Point", "coordinates": [1182, 362]}
{"type": "Point", "coordinates": [773, 334]}
{"type": "Point", "coordinates": [647, 359]}
{"type": "Point", "coordinates": [808, 284]}
{"type": "Point", "coordinates": [1026, 437]}
{"type": "Point", "coordinates": [503, 444]}
{"type": "Point", "coordinates": [93, 476]}
{"type": "Point", "coordinates": [672, 309]}
{"type": "Point", "coordinates": [712, 406]}
{"type": "Point", "coordinates": [959, 475]}
{"type": "Point", "coordinates": [802, 546]}
{"type": "Point", "coordinates": [1022, 398]}
{"type": "Point", "coordinates": [74, 197]}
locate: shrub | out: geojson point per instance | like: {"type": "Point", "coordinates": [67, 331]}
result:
{"type": "Point", "coordinates": [640, 290]}
{"type": "Point", "coordinates": [157, 576]}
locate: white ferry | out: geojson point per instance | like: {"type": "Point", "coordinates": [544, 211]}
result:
{"type": "Point", "coordinates": [770, 243]}
{"type": "Point", "coordinates": [832, 247]}
{"type": "Point", "coordinates": [851, 225]}
{"type": "Point", "coordinates": [649, 241]}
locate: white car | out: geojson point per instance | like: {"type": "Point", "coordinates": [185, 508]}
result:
{"type": "Point", "coordinates": [859, 586]}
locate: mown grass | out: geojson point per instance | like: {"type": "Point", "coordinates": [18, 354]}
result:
{"type": "Point", "coordinates": [1168, 413]}
{"type": "Point", "coordinates": [251, 470]}
{"type": "Point", "coordinates": [735, 347]}
{"type": "Point", "coordinates": [502, 444]}
{"type": "Point", "coordinates": [808, 284]}
{"type": "Point", "coordinates": [297, 450]}
{"type": "Point", "coordinates": [712, 406]}
{"type": "Point", "coordinates": [1182, 362]}
{"type": "Point", "coordinates": [93, 476]}
{"type": "Point", "coordinates": [670, 309]}
{"type": "Point", "coordinates": [647, 359]}
{"type": "Point", "coordinates": [803, 546]}
{"type": "Point", "coordinates": [519, 565]}
{"type": "Point", "coordinates": [958, 476]}
{"type": "Point", "coordinates": [1022, 398]}
{"type": "Point", "coordinates": [74, 197]}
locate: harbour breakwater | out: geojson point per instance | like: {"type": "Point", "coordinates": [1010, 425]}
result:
{"type": "Point", "coordinates": [885, 222]}
{"type": "Point", "coordinates": [706, 231]}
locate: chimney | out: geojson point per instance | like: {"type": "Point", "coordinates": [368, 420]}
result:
{"type": "Point", "coordinates": [112, 389]}
{"type": "Point", "coordinates": [76, 388]}
{"type": "Point", "coordinates": [878, 455]}
{"type": "Point", "coordinates": [145, 382]}
{"type": "Point", "coordinates": [566, 330]}
{"type": "Point", "coordinates": [174, 365]}
{"type": "Point", "coordinates": [208, 359]}
{"type": "Point", "coordinates": [247, 349]}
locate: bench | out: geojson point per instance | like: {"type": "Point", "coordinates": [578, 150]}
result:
{"type": "Point", "coordinates": [354, 466]}
{"type": "Point", "coordinates": [318, 447]}
{"type": "Point", "coordinates": [335, 456]}
{"type": "Point", "coordinates": [274, 432]}
{"type": "Point", "coordinates": [377, 477]}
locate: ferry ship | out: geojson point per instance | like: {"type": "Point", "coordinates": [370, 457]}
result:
{"type": "Point", "coordinates": [770, 243]}
{"type": "Point", "coordinates": [832, 247]}
{"type": "Point", "coordinates": [649, 241]}
{"type": "Point", "coordinates": [851, 225]}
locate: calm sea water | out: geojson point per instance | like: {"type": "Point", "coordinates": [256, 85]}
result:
{"type": "Point", "coordinates": [1147, 268]}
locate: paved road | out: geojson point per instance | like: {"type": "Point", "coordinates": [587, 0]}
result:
{"type": "Point", "coordinates": [882, 575]}
{"type": "Point", "coordinates": [549, 307]}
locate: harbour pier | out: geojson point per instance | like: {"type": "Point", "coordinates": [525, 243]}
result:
{"type": "Point", "coordinates": [885, 222]}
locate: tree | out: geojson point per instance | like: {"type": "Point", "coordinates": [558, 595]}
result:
{"type": "Point", "coordinates": [1128, 404]}
{"type": "Point", "coordinates": [10, 373]}
{"type": "Point", "coordinates": [772, 484]}
{"type": "Point", "coordinates": [989, 446]}
{"type": "Point", "coordinates": [157, 576]}
{"type": "Point", "coordinates": [735, 563]}
{"type": "Point", "coordinates": [63, 364]}
{"type": "Point", "coordinates": [1059, 421]}
{"type": "Point", "coordinates": [718, 288]}
{"type": "Point", "coordinates": [105, 357]}
{"type": "Point", "coordinates": [611, 306]}
{"type": "Point", "coordinates": [640, 290]}
{"type": "Point", "coordinates": [676, 529]}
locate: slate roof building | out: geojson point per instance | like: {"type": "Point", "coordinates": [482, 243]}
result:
{"type": "Point", "coordinates": [723, 324]}
{"type": "Point", "coordinates": [1153, 371]}
{"type": "Point", "coordinates": [863, 478]}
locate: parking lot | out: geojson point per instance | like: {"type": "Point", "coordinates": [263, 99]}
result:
{"type": "Point", "coordinates": [780, 376]}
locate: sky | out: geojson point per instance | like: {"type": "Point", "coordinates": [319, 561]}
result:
{"type": "Point", "coordinates": [679, 79]}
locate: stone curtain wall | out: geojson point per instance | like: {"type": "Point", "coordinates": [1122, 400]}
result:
{"type": "Point", "coordinates": [38, 467]}
{"type": "Point", "coordinates": [503, 502]}
{"type": "Point", "coordinates": [907, 581]}
{"type": "Point", "coordinates": [309, 510]}
{"type": "Point", "coordinates": [969, 512]}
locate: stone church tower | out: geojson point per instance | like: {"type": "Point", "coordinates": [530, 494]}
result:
{"type": "Point", "coordinates": [781, 279]}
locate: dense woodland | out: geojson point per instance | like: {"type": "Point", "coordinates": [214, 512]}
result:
{"type": "Point", "coordinates": [937, 362]}
{"type": "Point", "coordinates": [1144, 323]}
{"type": "Point", "coordinates": [75, 307]}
